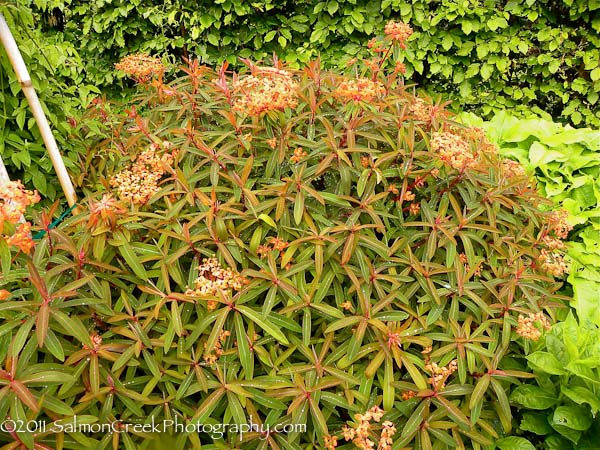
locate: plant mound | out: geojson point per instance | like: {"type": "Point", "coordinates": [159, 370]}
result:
{"type": "Point", "coordinates": [327, 257]}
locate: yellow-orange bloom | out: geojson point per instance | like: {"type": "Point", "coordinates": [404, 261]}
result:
{"type": "Point", "coordinates": [398, 32]}
{"type": "Point", "coordinates": [453, 150]}
{"type": "Point", "coordinates": [268, 89]}
{"type": "Point", "coordinates": [214, 279]}
{"type": "Point", "coordinates": [21, 238]}
{"type": "Point", "coordinates": [359, 90]}
{"type": "Point", "coordinates": [14, 199]}
{"type": "Point", "coordinates": [139, 182]}
{"type": "Point", "coordinates": [298, 155]}
{"type": "Point", "coordinates": [141, 66]}
{"type": "Point", "coordinates": [527, 325]}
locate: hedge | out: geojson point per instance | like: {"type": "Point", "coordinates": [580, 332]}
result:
{"type": "Point", "coordinates": [487, 55]}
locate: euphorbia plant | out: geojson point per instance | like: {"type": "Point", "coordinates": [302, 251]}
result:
{"type": "Point", "coordinates": [306, 248]}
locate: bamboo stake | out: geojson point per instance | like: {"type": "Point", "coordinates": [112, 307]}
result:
{"type": "Point", "coordinates": [14, 55]}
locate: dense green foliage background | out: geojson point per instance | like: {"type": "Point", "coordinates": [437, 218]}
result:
{"type": "Point", "coordinates": [486, 54]}
{"type": "Point", "coordinates": [57, 75]}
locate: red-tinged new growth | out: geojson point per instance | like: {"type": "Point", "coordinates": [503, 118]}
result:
{"type": "Point", "coordinates": [267, 89]}
{"type": "Point", "coordinates": [105, 211]}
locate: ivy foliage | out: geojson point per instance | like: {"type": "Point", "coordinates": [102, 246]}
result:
{"type": "Point", "coordinates": [56, 73]}
{"type": "Point", "coordinates": [487, 54]}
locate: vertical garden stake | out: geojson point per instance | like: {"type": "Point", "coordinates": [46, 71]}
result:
{"type": "Point", "coordinates": [8, 41]}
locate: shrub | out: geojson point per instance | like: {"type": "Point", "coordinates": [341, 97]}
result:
{"type": "Point", "coordinates": [283, 248]}
{"type": "Point", "coordinates": [488, 55]}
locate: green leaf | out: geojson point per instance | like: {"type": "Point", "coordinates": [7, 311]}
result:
{"type": "Point", "coordinates": [269, 36]}
{"type": "Point", "coordinates": [266, 219]}
{"type": "Point", "coordinates": [514, 443]}
{"type": "Point", "coordinates": [533, 397]}
{"type": "Point", "coordinates": [43, 378]}
{"type": "Point", "coordinates": [575, 417]}
{"type": "Point", "coordinates": [263, 323]}
{"type": "Point", "coordinates": [580, 395]}
{"type": "Point", "coordinates": [132, 260]}
{"type": "Point", "coordinates": [73, 326]}
{"type": "Point", "coordinates": [547, 362]}
{"type": "Point", "coordinates": [536, 423]}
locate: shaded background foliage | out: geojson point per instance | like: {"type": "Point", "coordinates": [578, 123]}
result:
{"type": "Point", "coordinates": [486, 54]}
{"type": "Point", "coordinates": [57, 75]}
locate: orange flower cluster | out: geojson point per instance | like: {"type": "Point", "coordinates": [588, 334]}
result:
{"type": "Point", "coordinates": [552, 257]}
{"type": "Point", "coordinates": [299, 153]}
{"type": "Point", "coordinates": [21, 238]}
{"type": "Point", "coordinates": [141, 66]}
{"type": "Point", "coordinates": [105, 211]}
{"type": "Point", "coordinates": [330, 442]}
{"type": "Point", "coordinates": [408, 395]}
{"type": "Point", "coordinates": [14, 200]}
{"type": "Point", "coordinates": [376, 45]}
{"type": "Point", "coordinates": [269, 89]}
{"type": "Point", "coordinates": [347, 306]}
{"type": "Point", "coordinates": [360, 435]}
{"type": "Point", "coordinates": [408, 196]}
{"type": "Point", "coordinates": [274, 243]}
{"type": "Point", "coordinates": [553, 243]}
{"type": "Point", "coordinates": [439, 375]}
{"type": "Point", "coordinates": [557, 222]}
{"type": "Point", "coordinates": [388, 430]}
{"type": "Point", "coordinates": [214, 279]}
{"type": "Point", "coordinates": [212, 357]}
{"type": "Point", "coordinates": [140, 182]}
{"type": "Point", "coordinates": [272, 142]}
{"type": "Point", "coordinates": [359, 90]}
{"type": "Point", "coordinates": [513, 169]}
{"type": "Point", "coordinates": [527, 325]}
{"type": "Point", "coordinates": [420, 110]}
{"type": "Point", "coordinates": [398, 31]}
{"type": "Point", "coordinates": [553, 263]}
{"type": "Point", "coordinates": [453, 150]}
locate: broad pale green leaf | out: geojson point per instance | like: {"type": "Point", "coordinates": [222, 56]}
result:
{"type": "Point", "coordinates": [533, 397]}
{"type": "Point", "coordinates": [514, 443]}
